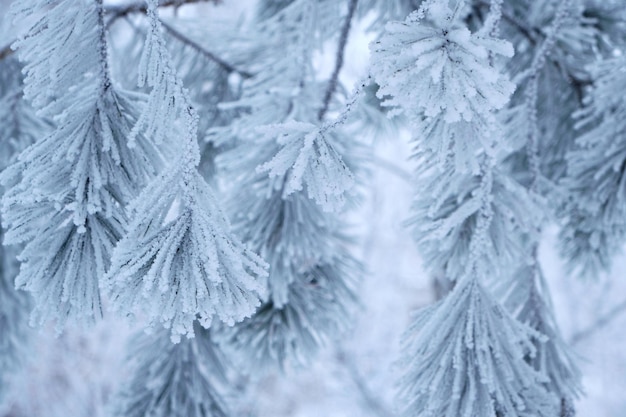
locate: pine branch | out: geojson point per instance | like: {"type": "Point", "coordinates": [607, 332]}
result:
{"type": "Point", "coordinates": [537, 65]}
{"type": "Point", "coordinates": [343, 40]}
{"type": "Point", "coordinates": [104, 59]}
{"type": "Point", "coordinates": [121, 11]}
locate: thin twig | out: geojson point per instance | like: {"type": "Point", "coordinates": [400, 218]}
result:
{"type": "Point", "coordinates": [5, 52]}
{"type": "Point", "coordinates": [527, 32]}
{"type": "Point", "coordinates": [532, 148]}
{"type": "Point", "coordinates": [201, 50]}
{"type": "Point", "coordinates": [334, 79]}
{"type": "Point", "coordinates": [597, 325]}
{"type": "Point", "coordinates": [370, 400]}
{"type": "Point", "coordinates": [104, 59]}
{"type": "Point", "coordinates": [392, 168]}
{"type": "Point", "coordinates": [118, 11]}
{"type": "Point", "coordinates": [539, 60]}
{"type": "Point", "coordinates": [138, 8]}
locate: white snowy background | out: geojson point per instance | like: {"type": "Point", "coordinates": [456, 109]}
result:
{"type": "Point", "coordinates": [74, 374]}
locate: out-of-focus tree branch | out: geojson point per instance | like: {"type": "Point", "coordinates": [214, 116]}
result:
{"type": "Point", "coordinates": [125, 11]}
{"type": "Point", "coordinates": [5, 51]}
{"type": "Point", "coordinates": [117, 11]}
{"type": "Point", "coordinates": [203, 51]}
{"type": "Point", "coordinates": [600, 323]}
{"type": "Point", "coordinates": [343, 40]}
{"type": "Point", "coordinates": [530, 34]}
{"type": "Point", "coordinates": [369, 399]}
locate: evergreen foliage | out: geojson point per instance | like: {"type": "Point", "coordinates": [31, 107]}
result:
{"type": "Point", "coordinates": [445, 222]}
{"type": "Point", "coordinates": [67, 192]}
{"type": "Point", "coordinates": [186, 266]}
{"type": "Point", "coordinates": [22, 126]}
{"type": "Point", "coordinates": [595, 228]}
{"type": "Point", "coordinates": [473, 223]}
{"type": "Point", "coordinates": [205, 196]}
{"type": "Point", "coordinates": [287, 207]}
{"type": "Point", "coordinates": [467, 359]}
{"type": "Point", "coordinates": [526, 296]}
{"type": "Point", "coordinates": [186, 379]}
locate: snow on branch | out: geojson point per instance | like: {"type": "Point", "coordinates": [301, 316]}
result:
{"type": "Point", "coordinates": [527, 297]}
{"type": "Point", "coordinates": [465, 357]}
{"type": "Point", "coordinates": [433, 69]}
{"type": "Point", "coordinates": [446, 223]}
{"type": "Point", "coordinates": [293, 174]}
{"type": "Point", "coordinates": [440, 67]}
{"type": "Point", "coordinates": [66, 193]}
{"type": "Point", "coordinates": [289, 335]}
{"type": "Point", "coordinates": [178, 261]}
{"type": "Point", "coordinates": [308, 158]}
{"type": "Point", "coordinates": [186, 268]}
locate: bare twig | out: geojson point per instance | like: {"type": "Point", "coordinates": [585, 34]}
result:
{"type": "Point", "coordinates": [125, 11]}
{"type": "Point", "coordinates": [104, 60]}
{"type": "Point", "coordinates": [600, 323]}
{"type": "Point", "coordinates": [118, 11]}
{"type": "Point", "coordinates": [528, 33]}
{"type": "Point", "coordinates": [539, 60]}
{"type": "Point", "coordinates": [392, 168]}
{"type": "Point", "coordinates": [203, 51]}
{"type": "Point", "coordinates": [373, 404]}
{"type": "Point", "coordinates": [5, 52]}
{"type": "Point", "coordinates": [343, 40]}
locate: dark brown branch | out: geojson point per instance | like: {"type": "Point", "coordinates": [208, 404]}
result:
{"type": "Point", "coordinates": [5, 52]}
{"type": "Point", "coordinates": [334, 79]}
{"type": "Point", "coordinates": [202, 51]}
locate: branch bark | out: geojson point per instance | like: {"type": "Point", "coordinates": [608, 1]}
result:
{"type": "Point", "coordinates": [5, 52]}
{"type": "Point", "coordinates": [204, 52]}
{"type": "Point", "coordinates": [597, 325]}
{"type": "Point", "coordinates": [529, 33]}
{"type": "Point", "coordinates": [334, 79]}
{"type": "Point", "coordinates": [118, 11]}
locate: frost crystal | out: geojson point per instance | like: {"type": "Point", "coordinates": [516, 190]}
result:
{"type": "Point", "coordinates": [438, 67]}
{"type": "Point", "coordinates": [443, 78]}
{"type": "Point", "coordinates": [307, 158]}
{"type": "Point", "coordinates": [178, 261]}
{"type": "Point", "coordinates": [465, 358]}
{"type": "Point", "coordinates": [177, 270]}
{"type": "Point", "coordinates": [66, 193]}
